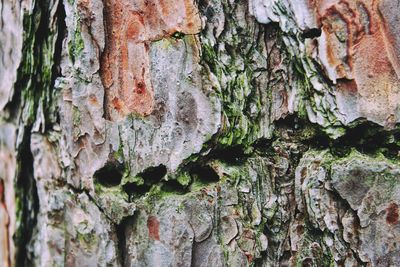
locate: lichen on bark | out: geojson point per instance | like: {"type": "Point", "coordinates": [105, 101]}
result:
{"type": "Point", "coordinates": [199, 133]}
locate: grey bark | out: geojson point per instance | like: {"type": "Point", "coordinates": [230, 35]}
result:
{"type": "Point", "coordinates": [207, 133]}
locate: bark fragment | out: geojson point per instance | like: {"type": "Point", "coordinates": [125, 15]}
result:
{"type": "Point", "coordinates": [205, 133]}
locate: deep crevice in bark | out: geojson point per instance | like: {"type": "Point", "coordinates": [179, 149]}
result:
{"type": "Point", "coordinates": [153, 174]}
{"type": "Point", "coordinates": [121, 230]}
{"type": "Point", "coordinates": [56, 68]}
{"type": "Point", "coordinates": [204, 174]}
{"type": "Point", "coordinates": [28, 204]}
{"type": "Point", "coordinates": [366, 137]}
{"type": "Point", "coordinates": [34, 83]}
{"type": "Point", "coordinates": [311, 33]}
{"type": "Point", "coordinates": [110, 175]}
{"type": "Point", "coordinates": [232, 154]}
{"type": "Point", "coordinates": [149, 177]}
{"type": "Point", "coordinates": [173, 186]}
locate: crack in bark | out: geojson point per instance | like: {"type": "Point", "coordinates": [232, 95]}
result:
{"type": "Point", "coordinates": [27, 212]}
{"type": "Point", "coordinates": [121, 236]}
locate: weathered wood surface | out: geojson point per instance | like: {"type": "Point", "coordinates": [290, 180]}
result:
{"type": "Point", "coordinates": [199, 133]}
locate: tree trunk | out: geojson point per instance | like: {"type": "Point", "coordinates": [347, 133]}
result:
{"type": "Point", "coordinates": [199, 133]}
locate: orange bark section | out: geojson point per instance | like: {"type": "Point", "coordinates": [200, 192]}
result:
{"type": "Point", "coordinates": [358, 52]}
{"type": "Point", "coordinates": [357, 45]}
{"type": "Point", "coordinates": [125, 66]}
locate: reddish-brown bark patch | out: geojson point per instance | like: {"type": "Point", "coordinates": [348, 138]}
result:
{"type": "Point", "coordinates": [346, 23]}
{"type": "Point", "coordinates": [392, 213]}
{"type": "Point", "coordinates": [1, 191]}
{"type": "Point", "coordinates": [249, 257]}
{"type": "Point", "coordinates": [154, 227]}
{"type": "Point", "coordinates": [359, 53]}
{"type": "Point", "coordinates": [125, 63]}
{"type": "Point", "coordinates": [117, 104]}
{"type": "Point", "coordinates": [347, 86]}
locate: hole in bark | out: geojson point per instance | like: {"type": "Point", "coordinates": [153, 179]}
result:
{"type": "Point", "coordinates": [311, 33]}
{"type": "Point", "coordinates": [294, 128]}
{"type": "Point", "coordinates": [122, 232]}
{"type": "Point", "coordinates": [110, 175]}
{"type": "Point", "coordinates": [263, 144]}
{"type": "Point", "coordinates": [153, 175]}
{"type": "Point", "coordinates": [233, 154]}
{"type": "Point", "coordinates": [133, 190]}
{"type": "Point", "coordinates": [173, 186]}
{"type": "Point", "coordinates": [150, 176]}
{"type": "Point", "coordinates": [204, 174]}
{"type": "Point", "coordinates": [367, 136]}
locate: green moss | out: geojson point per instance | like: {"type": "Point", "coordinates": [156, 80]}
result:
{"type": "Point", "coordinates": [184, 179]}
{"type": "Point", "coordinates": [76, 44]}
{"type": "Point", "coordinates": [235, 75]}
{"type": "Point", "coordinates": [87, 241]}
{"type": "Point", "coordinates": [157, 193]}
{"type": "Point", "coordinates": [76, 116]}
{"type": "Point", "coordinates": [134, 179]}
{"type": "Point", "coordinates": [119, 154]}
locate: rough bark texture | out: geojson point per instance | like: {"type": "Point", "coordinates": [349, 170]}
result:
{"type": "Point", "coordinates": [199, 133]}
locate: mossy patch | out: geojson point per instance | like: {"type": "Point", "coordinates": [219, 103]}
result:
{"type": "Point", "coordinates": [76, 44]}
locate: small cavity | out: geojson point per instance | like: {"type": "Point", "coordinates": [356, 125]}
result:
{"type": "Point", "coordinates": [150, 176]}
{"type": "Point", "coordinates": [232, 154]}
{"type": "Point", "coordinates": [153, 175]}
{"type": "Point", "coordinates": [311, 33]}
{"type": "Point", "coordinates": [205, 174]}
{"type": "Point", "coordinates": [134, 191]}
{"type": "Point", "coordinates": [110, 175]}
{"type": "Point", "coordinates": [173, 186]}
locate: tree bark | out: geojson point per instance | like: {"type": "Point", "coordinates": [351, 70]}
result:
{"type": "Point", "coordinates": [199, 133]}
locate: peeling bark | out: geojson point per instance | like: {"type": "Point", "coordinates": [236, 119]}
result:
{"type": "Point", "coordinates": [199, 133]}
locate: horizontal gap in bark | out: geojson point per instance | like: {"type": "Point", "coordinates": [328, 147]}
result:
{"type": "Point", "coordinates": [311, 33]}
{"type": "Point", "coordinates": [153, 175]}
{"type": "Point", "coordinates": [110, 175]}
{"type": "Point", "coordinates": [173, 186]}
{"type": "Point", "coordinates": [204, 174]}
{"type": "Point", "coordinates": [233, 154]}
{"type": "Point", "coordinates": [150, 177]}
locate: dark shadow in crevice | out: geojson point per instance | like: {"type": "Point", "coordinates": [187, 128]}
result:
{"type": "Point", "coordinates": [366, 135]}
{"type": "Point", "coordinates": [204, 174]}
{"type": "Point", "coordinates": [311, 33]}
{"type": "Point", "coordinates": [369, 138]}
{"type": "Point", "coordinates": [263, 144]}
{"type": "Point", "coordinates": [173, 186]}
{"type": "Point", "coordinates": [150, 177]}
{"type": "Point", "coordinates": [122, 232]}
{"type": "Point", "coordinates": [153, 175]}
{"type": "Point", "coordinates": [27, 203]}
{"type": "Point", "coordinates": [110, 175]}
{"type": "Point", "coordinates": [233, 154]}
{"type": "Point", "coordinates": [299, 129]}
{"type": "Point", "coordinates": [135, 191]}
